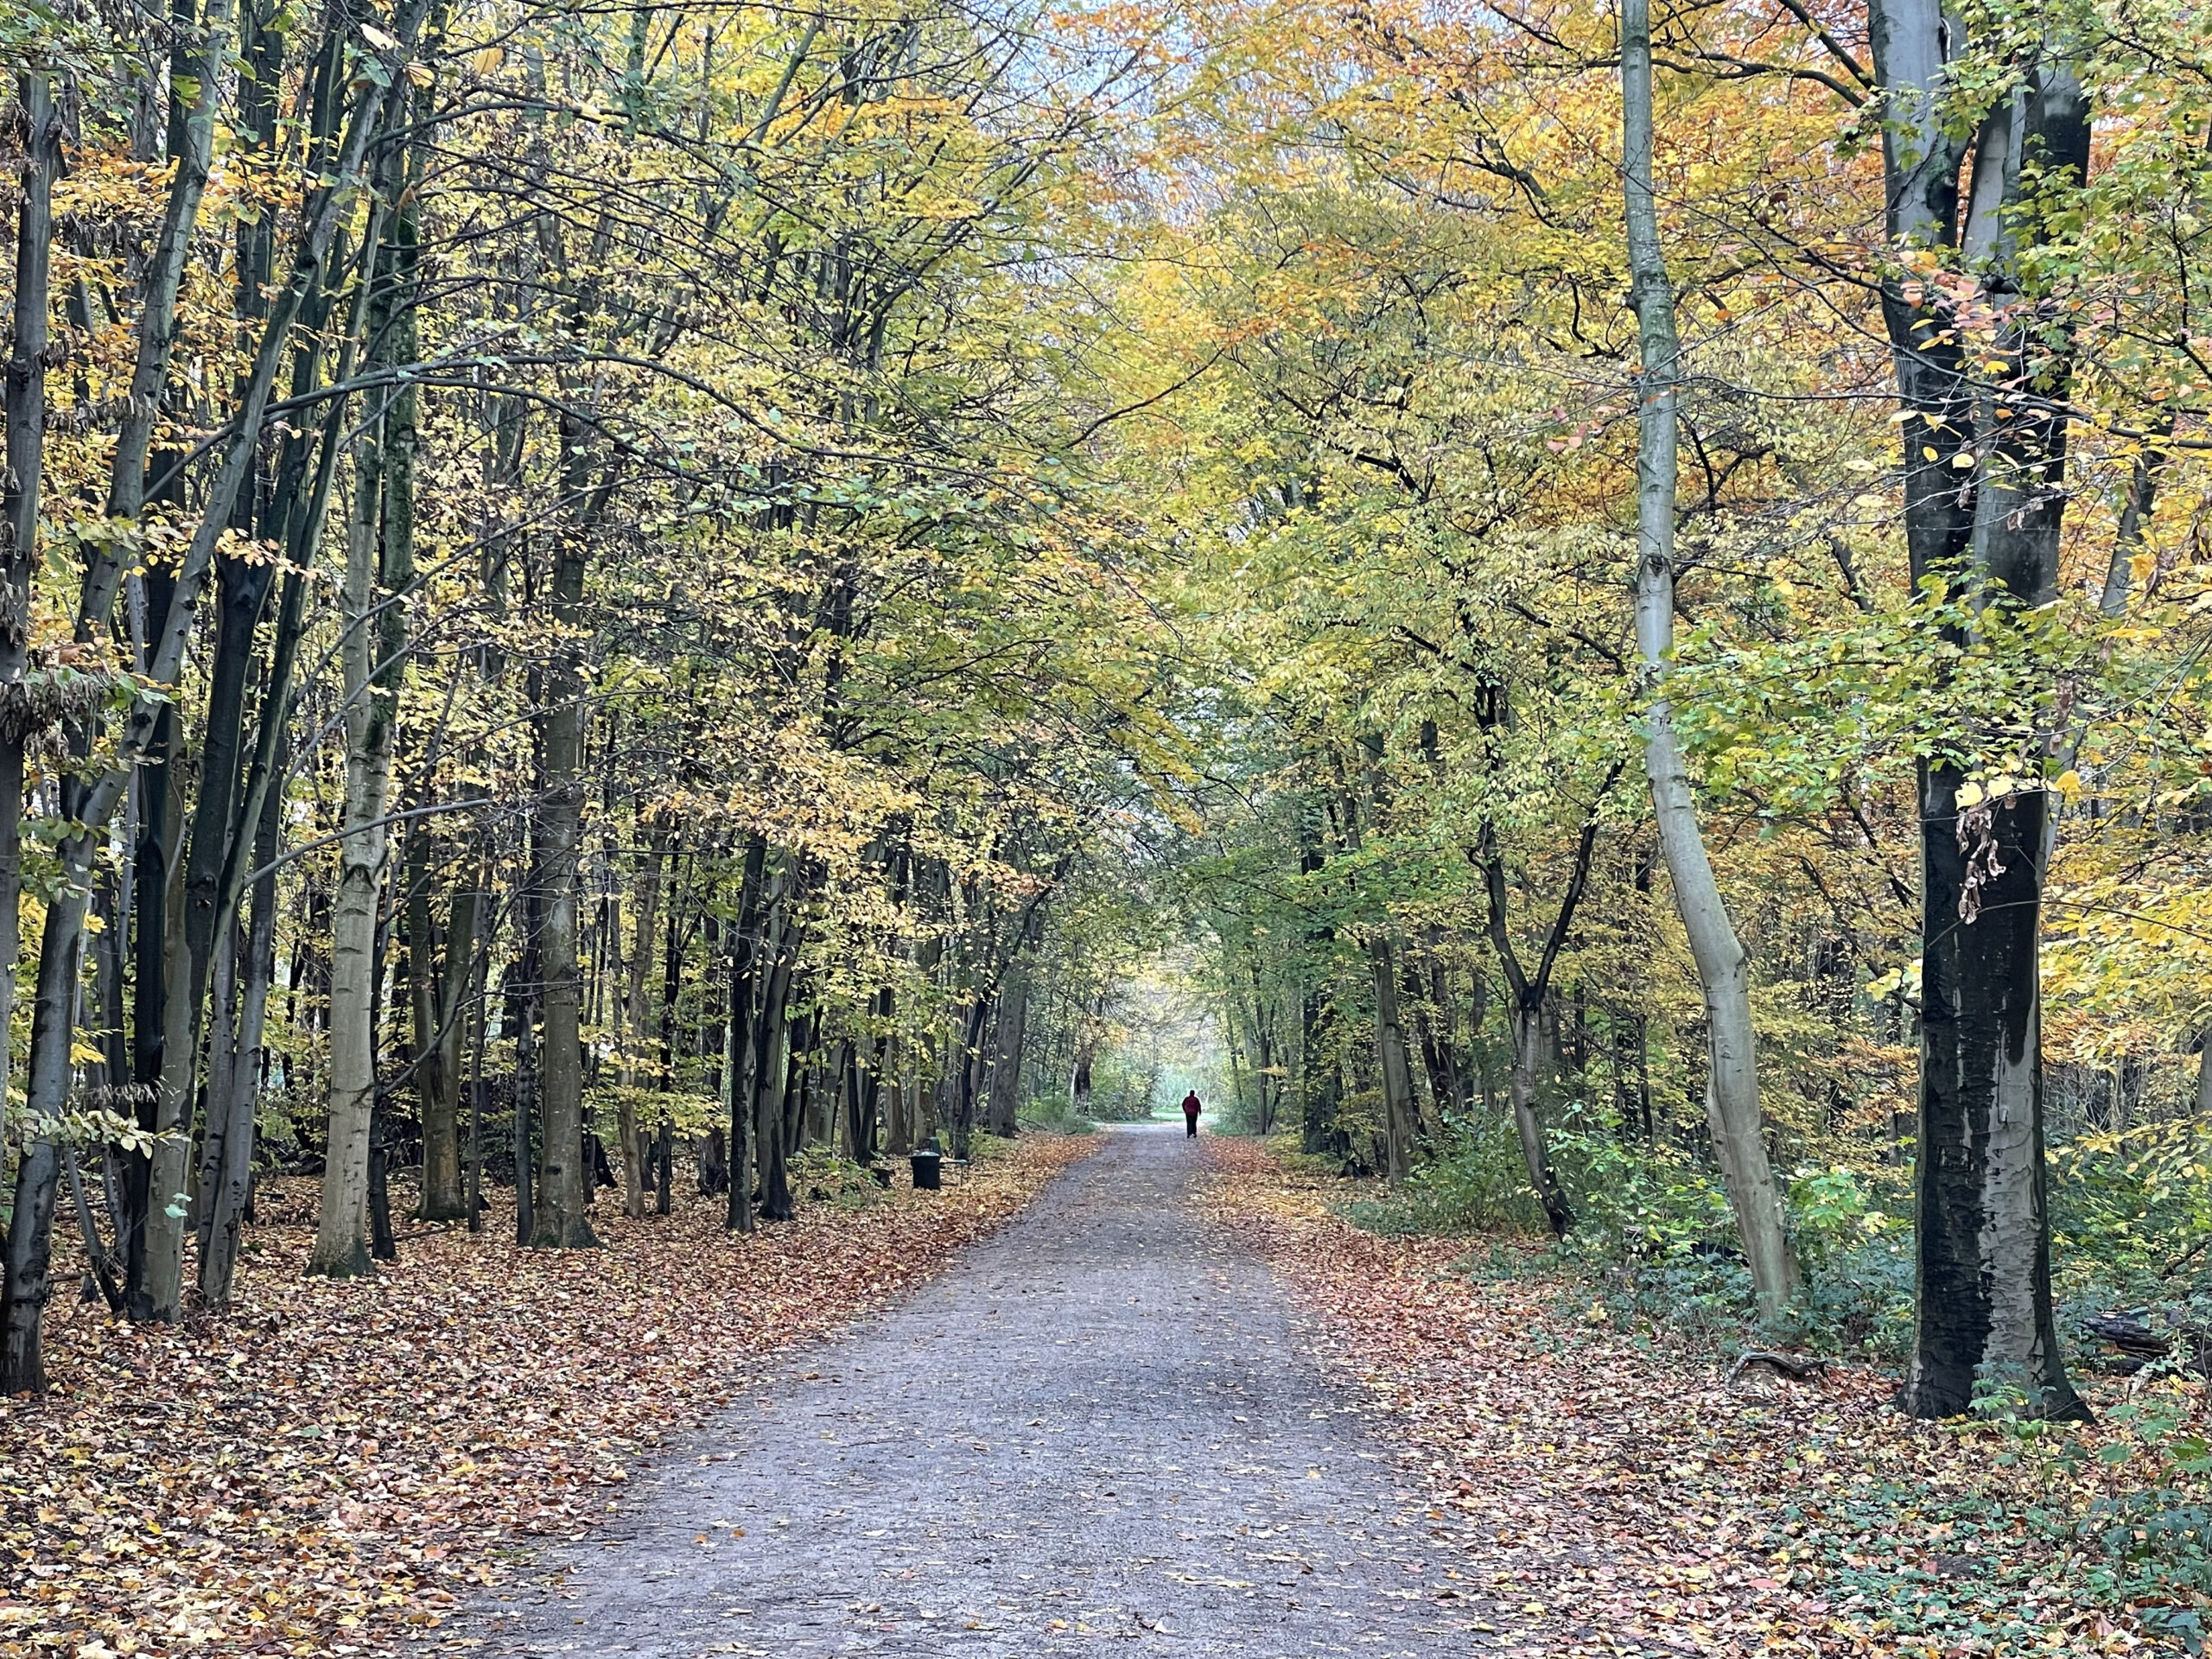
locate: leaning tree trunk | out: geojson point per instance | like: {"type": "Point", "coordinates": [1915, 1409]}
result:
{"type": "Point", "coordinates": [1723, 964]}
{"type": "Point", "coordinates": [226, 1209]}
{"type": "Point", "coordinates": [1528, 1063]}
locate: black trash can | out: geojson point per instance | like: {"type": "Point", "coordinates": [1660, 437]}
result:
{"type": "Point", "coordinates": [929, 1167]}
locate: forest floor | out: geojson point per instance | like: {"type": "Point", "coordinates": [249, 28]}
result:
{"type": "Point", "coordinates": [332, 1468]}
{"type": "Point", "coordinates": [1610, 1486]}
{"type": "Point", "coordinates": [1168, 1398]}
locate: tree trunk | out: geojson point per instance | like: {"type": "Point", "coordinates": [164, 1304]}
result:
{"type": "Point", "coordinates": [27, 1283]}
{"type": "Point", "coordinates": [1012, 1034]}
{"type": "Point", "coordinates": [636, 997]}
{"type": "Point", "coordinates": [767, 1071]}
{"type": "Point", "coordinates": [1320, 1082]}
{"type": "Point", "coordinates": [1723, 965]}
{"type": "Point", "coordinates": [564, 1185]}
{"type": "Point", "coordinates": [160, 817]}
{"type": "Point", "coordinates": [525, 1137]}
{"type": "Point", "coordinates": [20, 478]}
{"type": "Point", "coordinates": [441, 1020]}
{"type": "Point", "coordinates": [341, 1244]}
{"type": "Point", "coordinates": [1529, 1059]}
{"type": "Point", "coordinates": [1390, 1060]}
{"type": "Point", "coordinates": [161, 1285]}
{"type": "Point", "coordinates": [226, 1212]}
{"type": "Point", "coordinates": [746, 959]}
{"type": "Point", "coordinates": [1983, 1229]}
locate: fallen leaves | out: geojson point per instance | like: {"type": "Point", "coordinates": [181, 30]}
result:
{"type": "Point", "coordinates": [335, 1465]}
{"type": "Point", "coordinates": [1617, 1492]}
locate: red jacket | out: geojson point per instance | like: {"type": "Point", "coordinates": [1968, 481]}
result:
{"type": "Point", "coordinates": [1191, 1105]}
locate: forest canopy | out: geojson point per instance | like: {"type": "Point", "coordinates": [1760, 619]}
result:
{"type": "Point", "coordinates": [1617, 597]}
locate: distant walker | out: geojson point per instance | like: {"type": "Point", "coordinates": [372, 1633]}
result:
{"type": "Point", "coordinates": [1190, 1115]}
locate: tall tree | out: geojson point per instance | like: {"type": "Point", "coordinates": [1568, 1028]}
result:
{"type": "Point", "coordinates": [1984, 457]}
{"type": "Point", "coordinates": [1723, 965]}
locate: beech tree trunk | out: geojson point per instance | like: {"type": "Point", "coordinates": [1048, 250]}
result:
{"type": "Point", "coordinates": [1390, 1061]}
{"type": "Point", "coordinates": [1723, 964]}
{"type": "Point", "coordinates": [24, 456]}
{"type": "Point", "coordinates": [738, 1056]}
{"type": "Point", "coordinates": [234, 1175]}
{"type": "Point", "coordinates": [341, 1244]}
{"type": "Point", "coordinates": [767, 1072]}
{"type": "Point", "coordinates": [442, 1022]}
{"type": "Point", "coordinates": [1011, 1039]}
{"type": "Point", "coordinates": [564, 1185]}
{"type": "Point", "coordinates": [636, 1001]}
{"type": "Point", "coordinates": [1529, 1060]}
{"type": "Point", "coordinates": [1984, 1314]}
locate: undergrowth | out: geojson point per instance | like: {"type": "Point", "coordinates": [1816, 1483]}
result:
{"type": "Point", "coordinates": [1654, 1248]}
{"type": "Point", "coordinates": [1055, 1114]}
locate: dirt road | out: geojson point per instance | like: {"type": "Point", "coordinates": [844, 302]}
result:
{"type": "Point", "coordinates": [1098, 1425]}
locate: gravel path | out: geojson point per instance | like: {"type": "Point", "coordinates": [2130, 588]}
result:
{"type": "Point", "coordinates": [1095, 1425]}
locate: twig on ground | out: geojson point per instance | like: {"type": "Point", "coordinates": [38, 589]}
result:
{"type": "Point", "coordinates": [1795, 1367]}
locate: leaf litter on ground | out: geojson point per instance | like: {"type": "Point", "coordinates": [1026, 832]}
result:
{"type": "Point", "coordinates": [1620, 1495]}
{"type": "Point", "coordinates": [333, 1468]}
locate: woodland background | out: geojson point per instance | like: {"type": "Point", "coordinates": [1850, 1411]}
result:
{"type": "Point", "coordinates": [693, 595]}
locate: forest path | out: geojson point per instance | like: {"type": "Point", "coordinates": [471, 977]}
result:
{"type": "Point", "coordinates": [1097, 1425]}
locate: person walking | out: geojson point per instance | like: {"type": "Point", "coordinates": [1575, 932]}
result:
{"type": "Point", "coordinates": [1190, 1115]}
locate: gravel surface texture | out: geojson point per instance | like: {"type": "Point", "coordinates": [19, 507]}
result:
{"type": "Point", "coordinates": [1098, 1425]}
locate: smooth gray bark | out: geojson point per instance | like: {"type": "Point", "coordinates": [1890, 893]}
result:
{"type": "Point", "coordinates": [1982, 1234]}
{"type": "Point", "coordinates": [1390, 1061]}
{"type": "Point", "coordinates": [1723, 964]}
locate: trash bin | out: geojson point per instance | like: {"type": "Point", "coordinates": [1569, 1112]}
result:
{"type": "Point", "coordinates": [928, 1171]}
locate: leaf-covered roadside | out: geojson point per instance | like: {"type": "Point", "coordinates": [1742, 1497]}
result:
{"type": "Point", "coordinates": [1619, 1497]}
{"type": "Point", "coordinates": [340, 1463]}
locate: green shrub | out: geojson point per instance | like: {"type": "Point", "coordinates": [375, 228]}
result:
{"type": "Point", "coordinates": [1474, 1184]}
{"type": "Point", "coordinates": [1055, 1114]}
{"type": "Point", "coordinates": [822, 1175]}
